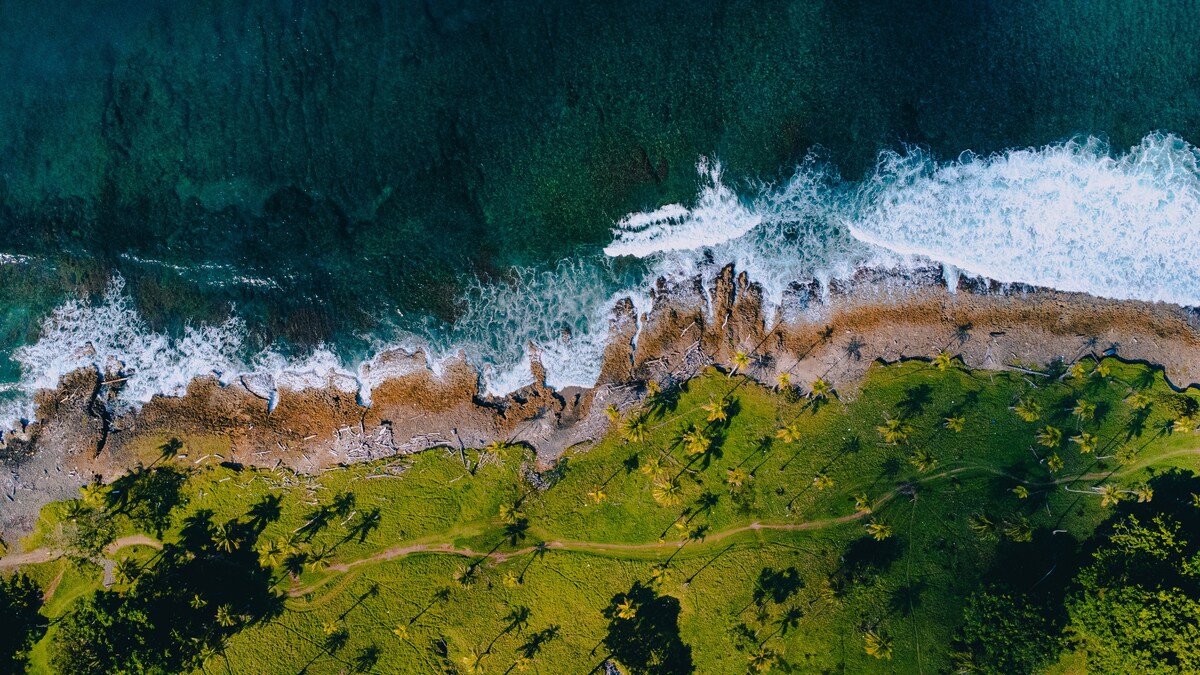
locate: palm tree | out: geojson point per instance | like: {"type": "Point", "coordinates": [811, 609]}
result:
{"type": "Point", "coordinates": [127, 570]}
{"type": "Point", "coordinates": [197, 602]}
{"type": "Point", "coordinates": [955, 424]}
{"type": "Point", "coordinates": [943, 361]}
{"type": "Point", "coordinates": [1077, 371]}
{"type": "Point", "coordinates": [1030, 411]}
{"type": "Point", "coordinates": [510, 579]}
{"type": "Point", "coordinates": [1021, 492]}
{"type": "Point", "coordinates": [653, 467]}
{"type": "Point", "coordinates": [464, 575]}
{"type": "Point", "coordinates": [1138, 401]}
{"type": "Point", "coordinates": [597, 495]}
{"type": "Point", "coordinates": [510, 514]}
{"type": "Point", "coordinates": [1184, 424]}
{"type": "Point", "coordinates": [822, 482]}
{"type": "Point", "coordinates": [1101, 370]}
{"type": "Point", "coordinates": [1049, 436]}
{"type": "Point", "coordinates": [877, 645]}
{"type": "Point", "coordinates": [922, 460]}
{"type": "Point", "coordinates": [1019, 530]}
{"type": "Point", "coordinates": [894, 431]}
{"type": "Point", "coordinates": [635, 429]}
{"type": "Point", "coordinates": [862, 503]}
{"type": "Point", "coordinates": [736, 478]}
{"type": "Point", "coordinates": [741, 361]}
{"type": "Point", "coordinates": [472, 661]}
{"type": "Point", "coordinates": [820, 389]}
{"type": "Point", "coordinates": [1084, 410]}
{"type": "Point", "coordinates": [401, 631]}
{"type": "Point", "coordinates": [660, 574]}
{"type": "Point", "coordinates": [1054, 463]}
{"type": "Point", "coordinates": [1142, 493]}
{"type": "Point", "coordinates": [789, 434]}
{"type": "Point", "coordinates": [272, 552]}
{"type": "Point", "coordinates": [783, 381]}
{"type": "Point", "coordinates": [1109, 495]}
{"type": "Point", "coordinates": [94, 493]}
{"type": "Point", "coordinates": [224, 536]}
{"type": "Point", "coordinates": [879, 531]}
{"type": "Point", "coordinates": [696, 441]}
{"type": "Point", "coordinates": [496, 451]}
{"type": "Point", "coordinates": [226, 617]}
{"type": "Point", "coordinates": [718, 410]}
{"type": "Point", "coordinates": [318, 560]}
{"type": "Point", "coordinates": [667, 492]}
{"type": "Point", "coordinates": [982, 526]}
{"type": "Point", "coordinates": [626, 609]}
{"type": "Point", "coordinates": [1087, 442]}
{"type": "Point", "coordinates": [762, 659]}
{"type": "Point", "coordinates": [612, 412]}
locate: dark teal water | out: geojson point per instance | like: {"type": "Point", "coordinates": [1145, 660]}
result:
{"type": "Point", "coordinates": [334, 172]}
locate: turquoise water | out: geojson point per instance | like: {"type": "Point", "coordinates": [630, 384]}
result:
{"type": "Point", "coordinates": [447, 174]}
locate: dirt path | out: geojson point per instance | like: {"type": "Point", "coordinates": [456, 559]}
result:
{"type": "Point", "coordinates": [45, 555]}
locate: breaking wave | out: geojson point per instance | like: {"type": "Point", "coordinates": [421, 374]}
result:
{"type": "Point", "coordinates": [1073, 216]}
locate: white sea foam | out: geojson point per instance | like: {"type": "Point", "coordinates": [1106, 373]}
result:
{"type": "Point", "coordinates": [1070, 216]}
{"type": "Point", "coordinates": [719, 215]}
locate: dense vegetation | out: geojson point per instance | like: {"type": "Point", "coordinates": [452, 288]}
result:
{"type": "Point", "coordinates": [929, 519]}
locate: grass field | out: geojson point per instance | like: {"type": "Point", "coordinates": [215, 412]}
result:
{"type": "Point", "coordinates": [801, 532]}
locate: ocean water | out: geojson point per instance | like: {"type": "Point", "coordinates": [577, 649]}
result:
{"type": "Point", "coordinates": [293, 188]}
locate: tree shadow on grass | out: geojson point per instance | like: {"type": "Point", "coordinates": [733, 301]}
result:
{"type": "Point", "coordinates": [647, 641]}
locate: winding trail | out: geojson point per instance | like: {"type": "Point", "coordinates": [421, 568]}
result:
{"type": "Point", "coordinates": [45, 555]}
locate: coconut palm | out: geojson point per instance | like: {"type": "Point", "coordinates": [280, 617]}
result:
{"type": "Point", "coordinates": [741, 361]}
{"type": "Point", "coordinates": [318, 560]}
{"type": "Point", "coordinates": [877, 645]}
{"type": "Point", "coordinates": [894, 431]}
{"type": "Point", "coordinates": [783, 381]}
{"type": "Point", "coordinates": [1101, 370]}
{"type": "Point", "coordinates": [1138, 401]}
{"type": "Point", "coordinates": [626, 609]}
{"type": "Point", "coordinates": [879, 531]}
{"type": "Point", "coordinates": [762, 659]}
{"type": "Point", "coordinates": [465, 575]}
{"type": "Point", "coordinates": [1184, 424]}
{"type": "Point", "coordinates": [612, 412]}
{"type": "Point", "coordinates": [955, 424]}
{"type": "Point", "coordinates": [401, 631]}
{"type": "Point", "coordinates": [982, 526]}
{"type": "Point", "coordinates": [1019, 530]}
{"type": "Point", "coordinates": [943, 361]}
{"type": "Point", "coordinates": [509, 513]}
{"type": "Point", "coordinates": [510, 579]}
{"type": "Point", "coordinates": [224, 536]}
{"type": "Point", "coordinates": [736, 478]}
{"type": "Point", "coordinates": [225, 617]}
{"type": "Point", "coordinates": [1084, 410]}
{"type": "Point", "coordinates": [862, 503]}
{"type": "Point", "coordinates": [820, 389]}
{"type": "Point", "coordinates": [1087, 442]}
{"type": "Point", "coordinates": [822, 482]}
{"type": "Point", "coordinates": [789, 434]}
{"type": "Point", "coordinates": [653, 466]}
{"type": "Point", "coordinates": [660, 575]}
{"type": "Point", "coordinates": [271, 552]}
{"type": "Point", "coordinates": [472, 661]}
{"type": "Point", "coordinates": [1030, 411]}
{"type": "Point", "coordinates": [1077, 371]}
{"type": "Point", "coordinates": [922, 461]}
{"type": "Point", "coordinates": [1049, 436]}
{"type": "Point", "coordinates": [1142, 493]}
{"type": "Point", "coordinates": [696, 441]}
{"type": "Point", "coordinates": [635, 429]}
{"type": "Point", "coordinates": [1126, 455]}
{"type": "Point", "coordinates": [598, 495]}
{"type": "Point", "coordinates": [1021, 492]}
{"type": "Point", "coordinates": [1054, 463]}
{"type": "Point", "coordinates": [1109, 495]}
{"type": "Point", "coordinates": [718, 410]}
{"type": "Point", "coordinates": [197, 602]}
{"type": "Point", "coordinates": [127, 570]}
{"type": "Point", "coordinates": [667, 492]}
{"type": "Point", "coordinates": [496, 451]}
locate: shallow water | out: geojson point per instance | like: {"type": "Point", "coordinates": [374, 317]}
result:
{"type": "Point", "coordinates": [295, 186]}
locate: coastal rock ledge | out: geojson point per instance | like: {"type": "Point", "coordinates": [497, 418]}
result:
{"type": "Point", "coordinates": [835, 332]}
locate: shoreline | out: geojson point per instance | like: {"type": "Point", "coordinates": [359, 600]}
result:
{"type": "Point", "coordinates": [875, 315]}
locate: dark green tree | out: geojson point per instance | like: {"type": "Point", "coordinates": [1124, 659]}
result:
{"type": "Point", "coordinates": [20, 600]}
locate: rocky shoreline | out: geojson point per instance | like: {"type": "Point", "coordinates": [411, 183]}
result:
{"type": "Point", "coordinates": [838, 332]}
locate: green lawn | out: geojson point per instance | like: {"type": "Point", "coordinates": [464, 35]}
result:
{"type": "Point", "coordinates": [782, 564]}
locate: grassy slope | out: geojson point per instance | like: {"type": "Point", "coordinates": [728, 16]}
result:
{"type": "Point", "coordinates": [910, 587]}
